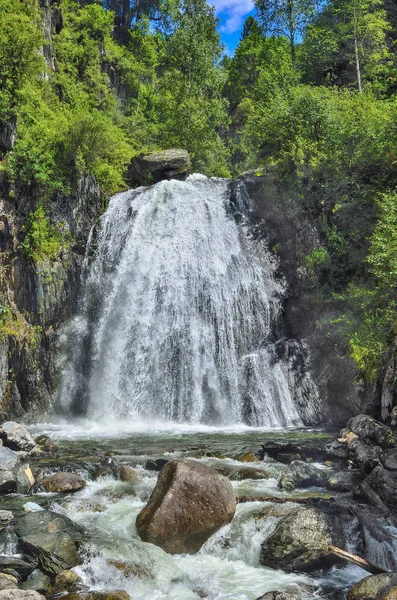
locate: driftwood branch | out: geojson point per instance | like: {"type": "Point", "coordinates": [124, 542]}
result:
{"type": "Point", "coordinates": [357, 560]}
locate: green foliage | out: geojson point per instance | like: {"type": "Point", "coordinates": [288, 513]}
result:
{"type": "Point", "coordinates": [42, 239]}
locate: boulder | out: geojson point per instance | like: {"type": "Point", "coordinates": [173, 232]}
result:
{"type": "Point", "coordinates": [156, 464]}
{"type": "Point", "coordinates": [63, 482]}
{"type": "Point", "coordinates": [9, 459]}
{"type": "Point", "coordinates": [364, 456]}
{"type": "Point", "coordinates": [8, 582]}
{"type": "Point", "coordinates": [110, 595]}
{"type": "Point", "coordinates": [345, 481]}
{"type": "Point", "coordinates": [38, 581]}
{"type": "Point", "coordinates": [45, 443]}
{"type": "Point", "coordinates": [189, 504]}
{"type": "Point", "coordinates": [388, 458]}
{"type": "Point", "coordinates": [127, 473]}
{"type": "Point", "coordinates": [152, 168]}
{"type": "Point", "coordinates": [300, 542]}
{"type": "Point", "coordinates": [16, 436]}
{"type": "Point", "coordinates": [8, 484]}
{"type": "Point", "coordinates": [247, 473]}
{"type": "Point", "coordinates": [51, 538]}
{"type": "Point", "coordinates": [301, 474]}
{"type": "Point", "coordinates": [390, 594]}
{"type": "Point", "coordinates": [23, 565]}
{"type": "Point", "coordinates": [5, 516]}
{"type": "Point", "coordinates": [372, 431]}
{"type": "Point", "coordinates": [66, 581]}
{"type": "Point", "coordinates": [287, 595]}
{"type": "Point", "coordinates": [20, 595]}
{"type": "Point", "coordinates": [24, 479]}
{"type": "Point", "coordinates": [372, 587]}
{"type": "Point", "coordinates": [384, 484]}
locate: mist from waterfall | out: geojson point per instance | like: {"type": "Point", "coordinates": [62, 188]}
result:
{"type": "Point", "coordinates": [177, 313]}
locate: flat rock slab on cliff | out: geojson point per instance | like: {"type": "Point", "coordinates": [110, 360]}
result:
{"type": "Point", "coordinates": [51, 538]}
{"type": "Point", "coordinates": [16, 436]}
{"type": "Point", "coordinates": [189, 504]}
{"type": "Point", "coordinates": [374, 587]}
{"type": "Point", "coordinates": [300, 542]}
{"type": "Point", "coordinates": [63, 482]}
{"type": "Point", "coordinates": [372, 431]}
{"type": "Point", "coordinates": [152, 168]}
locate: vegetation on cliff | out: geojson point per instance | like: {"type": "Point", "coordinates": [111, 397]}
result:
{"type": "Point", "coordinates": [310, 94]}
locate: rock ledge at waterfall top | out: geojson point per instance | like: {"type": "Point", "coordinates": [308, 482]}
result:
{"type": "Point", "coordinates": [152, 168]}
{"type": "Point", "coordinates": [189, 504]}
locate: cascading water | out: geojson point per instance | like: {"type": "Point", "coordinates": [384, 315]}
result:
{"type": "Point", "coordinates": [176, 316]}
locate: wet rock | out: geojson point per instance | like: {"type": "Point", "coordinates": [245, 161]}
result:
{"type": "Point", "coordinates": [372, 431]}
{"type": "Point", "coordinates": [365, 457]}
{"type": "Point", "coordinates": [38, 581]}
{"type": "Point", "coordinates": [372, 587]}
{"type": "Point", "coordinates": [108, 467]}
{"type": "Point", "coordinates": [20, 595]}
{"type": "Point", "coordinates": [8, 582]}
{"type": "Point", "coordinates": [8, 484]}
{"type": "Point", "coordinates": [247, 473]}
{"type": "Point", "coordinates": [45, 443]}
{"type": "Point", "coordinates": [51, 538]}
{"type": "Point", "coordinates": [189, 504]}
{"type": "Point", "coordinates": [288, 457]}
{"type": "Point", "coordinates": [151, 168]}
{"type": "Point", "coordinates": [24, 479]}
{"type": "Point", "coordinates": [127, 473]}
{"type": "Point", "coordinates": [16, 436]}
{"type": "Point", "coordinates": [281, 596]}
{"type": "Point", "coordinates": [66, 581]}
{"type": "Point", "coordinates": [156, 465]}
{"type": "Point", "coordinates": [63, 482]}
{"type": "Point", "coordinates": [248, 457]}
{"type": "Point", "coordinates": [131, 569]}
{"type": "Point", "coordinates": [9, 459]}
{"type": "Point", "coordinates": [111, 595]}
{"type": "Point", "coordinates": [23, 565]}
{"type": "Point", "coordinates": [5, 516]}
{"type": "Point", "coordinates": [32, 507]}
{"type": "Point", "coordinates": [345, 481]}
{"type": "Point", "coordinates": [388, 458]}
{"type": "Point", "coordinates": [391, 594]}
{"type": "Point", "coordinates": [337, 450]}
{"type": "Point", "coordinates": [301, 474]}
{"type": "Point", "coordinates": [384, 484]}
{"type": "Point", "coordinates": [300, 542]}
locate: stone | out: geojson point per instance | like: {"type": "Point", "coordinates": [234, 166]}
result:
{"type": "Point", "coordinates": [384, 484]}
{"type": "Point", "coordinates": [24, 479]}
{"type": "Point", "coordinates": [20, 595]}
{"type": "Point", "coordinates": [32, 507]}
{"type": "Point", "coordinates": [364, 456]}
{"type": "Point", "coordinates": [110, 595]}
{"type": "Point", "coordinates": [8, 582]}
{"type": "Point", "coordinates": [9, 459]}
{"type": "Point", "coordinates": [299, 542]}
{"type": "Point", "coordinates": [301, 474]}
{"type": "Point", "coordinates": [38, 581]}
{"type": "Point", "coordinates": [127, 473]}
{"type": "Point", "coordinates": [6, 516]}
{"type": "Point", "coordinates": [51, 538]}
{"type": "Point", "coordinates": [131, 569]}
{"type": "Point", "coordinates": [23, 565]}
{"type": "Point", "coordinates": [63, 482]}
{"type": "Point", "coordinates": [156, 465]}
{"type": "Point", "coordinates": [390, 594]}
{"type": "Point", "coordinates": [189, 504]}
{"type": "Point", "coordinates": [388, 458]}
{"type": "Point", "coordinates": [288, 595]}
{"type": "Point", "coordinates": [152, 168]}
{"type": "Point", "coordinates": [45, 443]}
{"type": "Point", "coordinates": [248, 457]}
{"type": "Point", "coordinates": [371, 588]}
{"type": "Point", "coordinates": [345, 481]}
{"type": "Point", "coordinates": [16, 436]}
{"type": "Point", "coordinates": [247, 473]}
{"type": "Point", "coordinates": [8, 484]}
{"type": "Point", "coordinates": [66, 581]}
{"type": "Point", "coordinates": [372, 431]}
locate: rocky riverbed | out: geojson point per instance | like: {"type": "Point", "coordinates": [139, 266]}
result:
{"type": "Point", "coordinates": [181, 514]}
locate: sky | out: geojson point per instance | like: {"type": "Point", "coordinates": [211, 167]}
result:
{"type": "Point", "coordinates": [232, 14]}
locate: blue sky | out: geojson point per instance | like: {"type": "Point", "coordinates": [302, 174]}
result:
{"type": "Point", "coordinates": [232, 14]}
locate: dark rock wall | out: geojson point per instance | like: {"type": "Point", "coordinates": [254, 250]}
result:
{"type": "Point", "coordinates": [292, 234]}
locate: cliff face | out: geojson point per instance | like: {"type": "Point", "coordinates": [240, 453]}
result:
{"type": "Point", "coordinates": [292, 234]}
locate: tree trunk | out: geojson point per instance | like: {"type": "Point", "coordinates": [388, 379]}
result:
{"type": "Point", "coordinates": [357, 560]}
{"type": "Point", "coordinates": [358, 68]}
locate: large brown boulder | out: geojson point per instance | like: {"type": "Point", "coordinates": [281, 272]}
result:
{"type": "Point", "coordinates": [189, 504]}
{"type": "Point", "coordinates": [63, 482]}
{"type": "Point", "coordinates": [373, 587]}
{"type": "Point", "coordinates": [152, 168]}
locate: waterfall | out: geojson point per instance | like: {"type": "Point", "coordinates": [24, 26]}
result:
{"type": "Point", "coordinates": [177, 313]}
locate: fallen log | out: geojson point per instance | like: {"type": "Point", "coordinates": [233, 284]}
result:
{"type": "Point", "coordinates": [357, 560]}
{"type": "Point", "coordinates": [278, 500]}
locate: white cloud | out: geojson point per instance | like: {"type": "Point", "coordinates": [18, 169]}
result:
{"type": "Point", "coordinates": [233, 12]}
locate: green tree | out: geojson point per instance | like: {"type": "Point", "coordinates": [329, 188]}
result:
{"type": "Point", "coordinates": [287, 18]}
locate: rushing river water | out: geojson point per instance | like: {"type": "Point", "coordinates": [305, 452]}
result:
{"type": "Point", "coordinates": [227, 567]}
